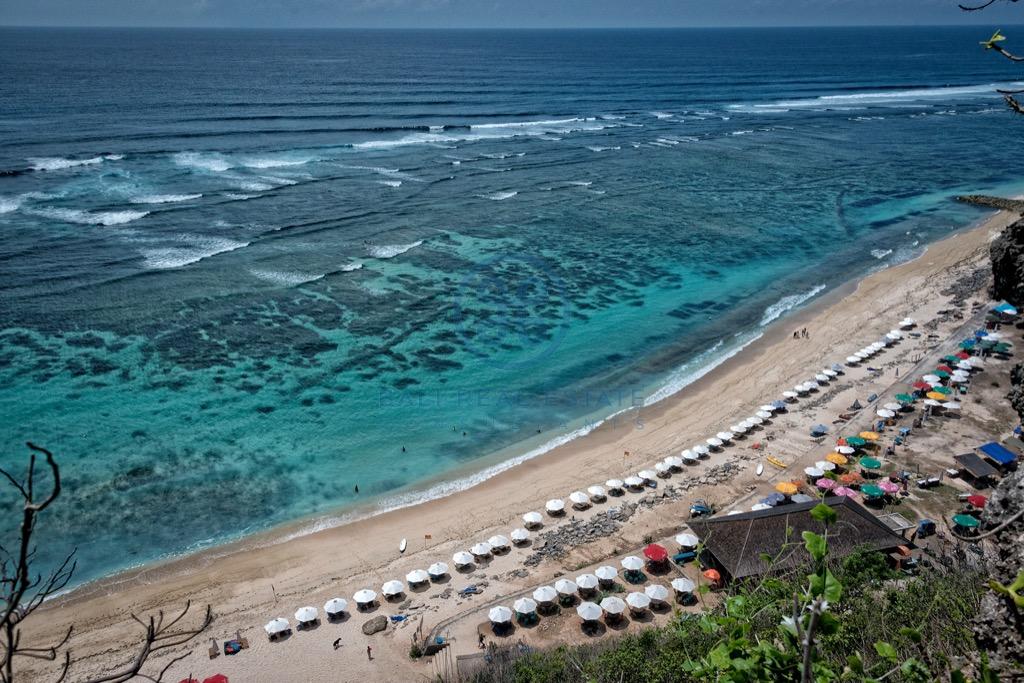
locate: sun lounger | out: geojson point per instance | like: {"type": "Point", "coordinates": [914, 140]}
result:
{"type": "Point", "coordinates": [470, 590]}
{"type": "Point", "coordinates": [681, 558]}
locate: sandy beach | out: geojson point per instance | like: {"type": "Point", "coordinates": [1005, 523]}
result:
{"type": "Point", "coordinates": [253, 581]}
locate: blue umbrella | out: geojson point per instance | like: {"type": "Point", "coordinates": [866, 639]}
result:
{"type": "Point", "coordinates": [837, 367]}
{"type": "Point", "coordinates": [773, 499]}
{"type": "Point", "coordinates": [779, 405]}
{"type": "Point", "coordinates": [980, 333]}
{"type": "Point", "coordinates": [819, 430]}
{"type": "Point", "coordinates": [802, 498]}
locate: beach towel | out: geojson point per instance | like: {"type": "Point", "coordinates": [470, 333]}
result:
{"type": "Point", "coordinates": [232, 647]}
{"type": "Point", "coordinates": [398, 618]}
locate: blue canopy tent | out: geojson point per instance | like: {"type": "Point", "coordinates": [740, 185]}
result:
{"type": "Point", "coordinates": [1004, 308]}
{"type": "Point", "coordinates": [997, 453]}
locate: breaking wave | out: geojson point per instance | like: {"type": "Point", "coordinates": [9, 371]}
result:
{"type": "Point", "coordinates": [392, 250]}
{"type": "Point", "coordinates": [82, 217]}
{"type": "Point", "coordinates": [788, 303]}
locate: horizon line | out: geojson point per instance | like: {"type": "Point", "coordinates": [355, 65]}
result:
{"type": "Point", "coordinates": [495, 28]}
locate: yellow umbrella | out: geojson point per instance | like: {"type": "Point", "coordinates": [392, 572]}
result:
{"type": "Point", "coordinates": [787, 488]}
{"type": "Point", "coordinates": [936, 395]}
{"type": "Point", "coordinates": [836, 458]}
{"type": "Point", "coordinates": [870, 436]}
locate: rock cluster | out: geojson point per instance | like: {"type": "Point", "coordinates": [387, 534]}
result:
{"type": "Point", "coordinates": [1007, 253]}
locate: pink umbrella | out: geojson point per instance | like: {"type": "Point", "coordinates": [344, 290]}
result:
{"type": "Point", "coordinates": [889, 486]}
{"type": "Point", "coordinates": [826, 483]}
{"type": "Point", "coordinates": [845, 491]}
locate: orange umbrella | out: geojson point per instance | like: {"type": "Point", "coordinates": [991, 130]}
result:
{"type": "Point", "coordinates": [712, 575]}
{"type": "Point", "coordinates": [787, 488]}
{"type": "Point", "coordinates": [870, 436]}
{"type": "Point", "coordinates": [836, 458]}
{"type": "Point", "coordinates": [936, 396]}
{"type": "Point", "coordinates": [850, 478]}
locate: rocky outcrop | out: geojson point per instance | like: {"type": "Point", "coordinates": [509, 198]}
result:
{"type": "Point", "coordinates": [1001, 203]}
{"type": "Point", "coordinates": [1016, 394]}
{"type": "Point", "coordinates": [375, 625]}
{"type": "Point", "coordinates": [1007, 252]}
{"type": "Point", "coordinates": [999, 628]}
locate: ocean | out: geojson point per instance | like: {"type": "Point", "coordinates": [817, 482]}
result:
{"type": "Point", "coordinates": [245, 272]}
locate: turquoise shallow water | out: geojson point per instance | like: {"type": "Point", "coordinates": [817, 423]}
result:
{"type": "Point", "coordinates": [243, 270]}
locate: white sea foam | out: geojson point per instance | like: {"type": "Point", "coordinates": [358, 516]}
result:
{"type": "Point", "coordinates": [392, 250]}
{"type": "Point", "coordinates": [271, 162]}
{"type": "Point", "coordinates": [391, 183]}
{"type": "Point", "coordinates": [598, 148]}
{"type": "Point", "coordinates": [9, 204]}
{"type": "Point", "coordinates": [880, 253]}
{"type": "Point", "coordinates": [198, 247]}
{"type": "Point", "coordinates": [581, 183]}
{"type": "Point", "coordinates": [349, 267]}
{"type": "Point", "coordinates": [492, 131]}
{"type": "Point", "coordinates": [237, 196]}
{"type": "Point", "coordinates": [278, 180]}
{"type": "Point", "coordinates": [59, 163]}
{"type": "Point", "coordinates": [284, 277]}
{"type": "Point", "coordinates": [700, 366]}
{"type": "Point", "coordinates": [498, 196]}
{"type": "Point", "coordinates": [203, 162]}
{"type": "Point", "coordinates": [880, 97]}
{"type": "Point", "coordinates": [253, 186]}
{"type": "Point", "coordinates": [661, 115]}
{"type": "Point", "coordinates": [788, 303]}
{"type": "Point", "coordinates": [165, 198]}
{"type": "Point", "coordinates": [82, 217]}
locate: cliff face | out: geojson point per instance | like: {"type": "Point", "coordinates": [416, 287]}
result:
{"type": "Point", "coordinates": [1007, 252]}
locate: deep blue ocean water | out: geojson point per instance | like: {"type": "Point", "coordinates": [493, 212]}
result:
{"type": "Point", "coordinates": [241, 270]}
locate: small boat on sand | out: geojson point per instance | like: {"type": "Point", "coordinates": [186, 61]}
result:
{"type": "Point", "coordinates": [760, 468]}
{"type": "Point", "coordinates": [401, 546]}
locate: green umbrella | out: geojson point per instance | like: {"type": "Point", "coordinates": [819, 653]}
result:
{"type": "Point", "coordinates": [941, 373]}
{"type": "Point", "coordinates": [870, 463]}
{"type": "Point", "coordinates": [905, 398]}
{"type": "Point", "coordinates": [967, 345]}
{"type": "Point", "coordinates": [951, 359]}
{"type": "Point", "coordinates": [872, 491]}
{"type": "Point", "coordinates": [942, 390]}
{"type": "Point", "coordinates": [856, 441]}
{"type": "Point", "coordinates": [1001, 348]}
{"type": "Point", "coordinates": [966, 521]}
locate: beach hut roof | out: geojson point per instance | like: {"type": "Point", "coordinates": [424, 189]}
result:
{"type": "Point", "coordinates": [335, 606]}
{"type": "Point", "coordinates": [638, 600]}
{"type": "Point", "coordinates": [606, 572]}
{"type": "Point", "coordinates": [975, 466]}
{"type": "Point", "coordinates": [613, 605]}
{"type": "Point", "coordinates": [275, 626]}
{"type": "Point", "coordinates": [738, 542]}
{"type": "Point", "coordinates": [998, 453]}
{"type": "Point", "coordinates": [304, 615]}
{"type": "Point", "coordinates": [588, 611]}
{"type": "Point", "coordinates": [545, 594]}
{"type": "Point", "coordinates": [500, 615]}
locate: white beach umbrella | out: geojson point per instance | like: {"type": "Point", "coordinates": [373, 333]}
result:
{"type": "Point", "coordinates": [932, 402]}
{"type": "Point", "coordinates": [895, 407]}
{"type": "Point", "coordinates": [417, 576]}
{"type": "Point", "coordinates": [606, 573]}
{"type": "Point", "coordinates": [614, 484]}
{"type": "Point", "coordinates": [893, 336]}
{"type": "Point", "coordinates": [437, 570]}
{"type": "Point", "coordinates": [674, 461]}
{"type": "Point", "coordinates": [480, 550]}
{"type": "Point", "coordinates": [682, 585]}
{"type": "Point", "coordinates": [275, 626]}
{"type": "Point", "coordinates": [846, 450]}
{"type": "Point", "coordinates": [689, 456]}
{"type": "Point", "coordinates": [932, 379]}
{"type": "Point", "coordinates": [687, 540]}
{"type": "Point", "coordinates": [821, 378]}
{"type": "Point", "coordinates": [613, 605]}
{"type": "Point", "coordinates": [554, 505]}
{"type": "Point", "coordinates": [565, 587]}
{"type": "Point", "coordinates": [335, 606]}
{"type": "Point", "coordinates": [579, 499]}
{"type": "Point", "coordinates": [586, 581]}
{"type": "Point", "coordinates": [700, 450]}
{"type": "Point", "coordinates": [877, 346]}
{"type": "Point", "coordinates": [885, 413]}
{"type": "Point", "coordinates": [596, 492]}
{"type": "Point", "coordinates": [714, 442]}
{"type": "Point", "coordinates": [589, 611]}
{"type": "Point", "coordinates": [632, 563]}
{"type": "Point", "coordinates": [392, 588]}
{"type": "Point", "coordinates": [964, 365]}
{"type": "Point", "coordinates": [545, 594]}
{"type": "Point", "coordinates": [738, 428]}
{"type": "Point", "coordinates": [638, 600]}
{"type": "Point", "coordinates": [825, 465]}
{"type": "Point", "coordinates": [764, 415]}
{"type": "Point", "coordinates": [958, 379]}
{"type": "Point", "coordinates": [364, 596]}
{"type": "Point", "coordinates": [976, 362]}
{"type": "Point", "coordinates": [853, 360]}
{"type": "Point", "coordinates": [750, 422]}
{"type": "Point", "coordinates": [767, 408]}
{"type": "Point", "coordinates": [813, 472]}
{"type": "Point", "coordinates": [757, 507]}
{"type": "Point", "coordinates": [800, 389]}
{"type": "Point", "coordinates": [647, 475]}
{"type": "Point", "coordinates": [656, 592]}
{"type": "Point", "coordinates": [634, 482]}
{"type": "Point", "coordinates": [830, 373]}
{"type": "Point", "coordinates": [951, 405]}
{"type": "Point", "coordinates": [462, 558]}
{"type": "Point", "coordinates": [734, 512]}
{"type": "Point", "coordinates": [790, 395]}
{"type": "Point", "coordinates": [498, 542]}
{"type": "Point", "coordinates": [532, 519]}
{"type": "Point", "coordinates": [500, 615]}
{"type": "Point", "coordinates": [519, 535]}
{"type": "Point", "coordinates": [961, 373]}
{"type": "Point", "coordinates": [305, 615]}
{"type": "Point", "coordinates": [524, 606]}
{"type": "Point", "coordinates": [907, 323]}
{"type": "Point", "coordinates": [662, 469]}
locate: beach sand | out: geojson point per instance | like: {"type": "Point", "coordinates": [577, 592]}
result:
{"type": "Point", "coordinates": [255, 580]}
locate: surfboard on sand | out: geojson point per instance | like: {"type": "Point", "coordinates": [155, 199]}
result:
{"type": "Point", "coordinates": [760, 468]}
{"type": "Point", "coordinates": [401, 546]}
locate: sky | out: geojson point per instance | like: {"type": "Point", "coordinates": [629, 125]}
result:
{"type": "Point", "coordinates": [497, 13]}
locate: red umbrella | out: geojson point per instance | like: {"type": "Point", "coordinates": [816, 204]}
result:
{"type": "Point", "coordinates": [216, 678]}
{"type": "Point", "coordinates": [977, 500]}
{"type": "Point", "coordinates": [944, 368]}
{"type": "Point", "coordinates": [189, 680]}
{"type": "Point", "coordinates": [922, 386]}
{"type": "Point", "coordinates": [655, 553]}
{"type": "Point", "coordinates": [962, 355]}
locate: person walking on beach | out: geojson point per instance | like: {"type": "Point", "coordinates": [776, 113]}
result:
{"type": "Point", "coordinates": [369, 653]}
{"type": "Point", "coordinates": [481, 641]}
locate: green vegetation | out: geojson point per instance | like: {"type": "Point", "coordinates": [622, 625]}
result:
{"type": "Point", "coordinates": [852, 621]}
